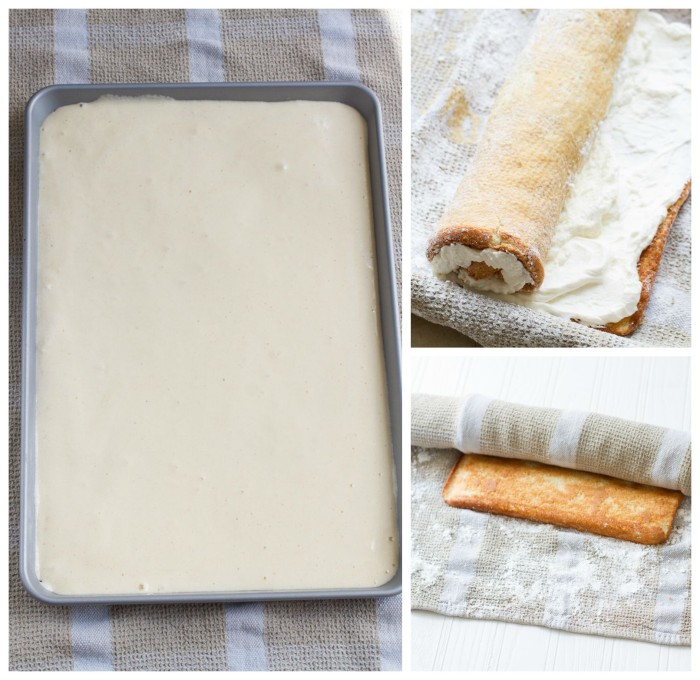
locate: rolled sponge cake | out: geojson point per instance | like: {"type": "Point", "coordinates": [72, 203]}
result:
{"type": "Point", "coordinates": [496, 232]}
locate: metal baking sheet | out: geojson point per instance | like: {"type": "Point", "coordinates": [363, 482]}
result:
{"type": "Point", "coordinates": [38, 108]}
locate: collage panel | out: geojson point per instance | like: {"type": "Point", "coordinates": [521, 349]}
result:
{"type": "Point", "coordinates": [550, 178]}
{"type": "Point", "coordinates": [205, 413]}
{"type": "Point", "coordinates": [550, 208]}
{"type": "Point", "coordinates": [550, 513]}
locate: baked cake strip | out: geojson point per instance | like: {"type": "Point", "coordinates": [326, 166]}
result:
{"type": "Point", "coordinates": [567, 498]}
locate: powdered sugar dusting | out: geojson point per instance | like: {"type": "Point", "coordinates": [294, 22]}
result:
{"type": "Point", "coordinates": [531, 572]}
{"type": "Point", "coordinates": [498, 37]}
{"type": "Point", "coordinates": [425, 572]}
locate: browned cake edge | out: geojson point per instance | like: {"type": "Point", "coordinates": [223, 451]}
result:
{"type": "Point", "coordinates": [649, 535]}
{"type": "Point", "coordinates": [648, 267]}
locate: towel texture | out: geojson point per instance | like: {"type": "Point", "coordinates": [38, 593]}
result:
{"type": "Point", "coordinates": [593, 442]}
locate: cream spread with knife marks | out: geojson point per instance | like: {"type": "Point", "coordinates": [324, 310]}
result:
{"type": "Point", "coordinates": [635, 168]}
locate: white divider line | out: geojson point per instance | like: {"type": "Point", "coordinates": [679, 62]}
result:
{"type": "Point", "coordinates": [338, 44]}
{"type": "Point", "coordinates": [91, 635]}
{"type": "Point", "coordinates": [204, 40]}
{"type": "Point", "coordinates": [71, 46]}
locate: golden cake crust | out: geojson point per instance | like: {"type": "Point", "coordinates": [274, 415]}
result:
{"type": "Point", "coordinates": [567, 498]}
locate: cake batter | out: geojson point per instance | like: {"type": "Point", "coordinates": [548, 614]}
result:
{"type": "Point", "coordinates": [211, 398]}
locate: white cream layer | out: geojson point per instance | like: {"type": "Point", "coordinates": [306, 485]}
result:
{"type": "Point", "coordinates": [635, 168]}
{"type": "Point", "coordinates": [637, 165]}
{"type": "Point", "coordinates": [457, 257]}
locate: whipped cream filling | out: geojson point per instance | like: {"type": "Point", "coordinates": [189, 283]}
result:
{"type": "Point", "coordinates": [634, 168]}
{"type": "Point", "coordinates": [456, 257]}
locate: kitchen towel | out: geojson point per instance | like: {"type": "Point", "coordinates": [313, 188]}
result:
{"type": "Point", "coordinates": [177, 45]}
{"type": "Point", "coordinates": [484, 566]}
{"type": "Point", "coordinates": [593, 442]}
{"type": "Point", "coordinates": [459, 60]}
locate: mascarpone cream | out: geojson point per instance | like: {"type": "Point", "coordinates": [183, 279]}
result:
{"type": "Point", "coordinates": [457, 257]}
{"type": "Point", "coordinates": [634, 170]}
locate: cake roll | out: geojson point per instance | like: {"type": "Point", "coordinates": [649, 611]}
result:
{"type": "Point", "coordinates": [497, 231]}
{"type": "Point", "coordinates": [567, 498]}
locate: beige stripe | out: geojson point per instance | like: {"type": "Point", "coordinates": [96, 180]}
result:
{"type": "Point", "coordinates": [291, 39]}
{"type": "Point", "coordinates": [318, 635]}
{"type": "Point", "coordinates": [39, 635]}
{"type": "Point", "coordinates": [516, 431]}
{"type": "Point", "coordinates": [619, 448]}
{"type": "Point", "coordinates": [26, 18]}
{"type": "Point", "coordinates": [381, 72]}
{"type": "Point", "coordinates": [31, 68]}
{"type": "Point", "coordinates": [685, 483]}
{"type": "Point", "coordinates": [435, 524]}
{"type": "Point", "coordinates": [434, 420]}
{"type": "Point", "coordinates": [169, 637]}
{"type": "Point", "coordinates": [684, 632]}
{"type": "Point", "coordinates": [136, 17]}
{"type": "Point", "coordinates": [632, 579]}
{"type": "Point", "coordinates": [510, 571]}
{"type": "Point", "coordinates": [138, 46]}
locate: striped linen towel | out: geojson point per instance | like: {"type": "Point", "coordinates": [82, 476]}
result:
{"type": "Point", "coordinates": [572, 439]}
{"type": "Point", "coordinates": [176, 45]}
{"type": "Point", "coordinates": [478, 565]}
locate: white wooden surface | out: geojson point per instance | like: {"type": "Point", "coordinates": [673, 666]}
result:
{"type": "Point", "coordinates": [655, 390]}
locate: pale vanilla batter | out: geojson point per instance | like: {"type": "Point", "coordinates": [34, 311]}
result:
{"type": "Point", "coordinates": [212, 409]}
